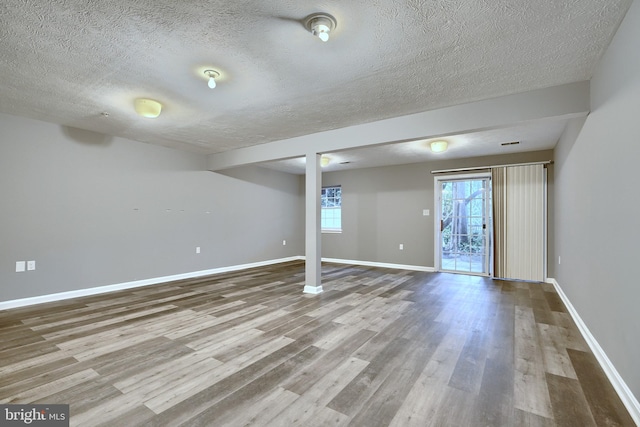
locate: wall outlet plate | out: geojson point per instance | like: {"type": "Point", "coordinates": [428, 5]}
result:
{"type": "Point", "coordinates": [20, 266]}
{"type": "Point", "coordinates": [31, 265]}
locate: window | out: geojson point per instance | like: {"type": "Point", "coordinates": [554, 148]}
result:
{"type": "Point", "coordinates": [331, 209]}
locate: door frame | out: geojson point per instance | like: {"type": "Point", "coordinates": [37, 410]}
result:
{"type": "Point", "coordinates": [437, 195]}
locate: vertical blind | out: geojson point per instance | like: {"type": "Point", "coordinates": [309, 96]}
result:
{"type": "Point", "coordinates": [519, 205]}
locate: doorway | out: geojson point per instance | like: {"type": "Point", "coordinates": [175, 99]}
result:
{"type": "Point", "coordinates": [464, 224]}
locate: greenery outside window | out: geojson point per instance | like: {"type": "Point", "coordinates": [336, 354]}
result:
{"type": "Point", "coordinates": [331, 209]}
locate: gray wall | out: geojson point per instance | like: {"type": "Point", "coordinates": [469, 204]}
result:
{"type": "Point", "coordinates": [382, 207]}
{"type": "Point", "coordinates": [93, 210]}
{"type": "Point", "coordinates": [597, 197]}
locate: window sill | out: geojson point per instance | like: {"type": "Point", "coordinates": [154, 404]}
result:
{"type": "Point", "coordinates": [331, 231]}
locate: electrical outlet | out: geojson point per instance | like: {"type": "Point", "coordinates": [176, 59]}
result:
{"type": "Point", "coordinates": [401, 247]}
{"type": "Point", "coordinates": [31, 265]}
{"type": "Point", "coordinates": [20, 266]}
{"type": "Point", "coordinates": [284, 243]}
{"type": "Point", "coordinates": [197, 249]}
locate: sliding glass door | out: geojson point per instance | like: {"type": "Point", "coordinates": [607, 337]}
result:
{"type": "Point", "coordinates": [463, 226]}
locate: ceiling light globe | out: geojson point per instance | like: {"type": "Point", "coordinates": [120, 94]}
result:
{"type": "Point", "coordinates": [439, 146]}
{"type": "Point", "coordinates": [212, 83]}
{"type": "Point", "coordinates": [148, 107]}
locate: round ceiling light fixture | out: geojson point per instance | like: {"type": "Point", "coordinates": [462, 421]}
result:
{"type": "Point", "coordinates": [213, 75]}
{"type": "Point", "coordinates": [324, 161]}
{"type": "Point", "coordinates": [147, 107]}
{"type": "Point", "coordinates": [320, 25]}
{"type": "Point", "coordinates": [439, 146]}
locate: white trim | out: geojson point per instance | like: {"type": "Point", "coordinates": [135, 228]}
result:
{"type": "Point", "coordinates": [380, 264]}
{"type": "Point", "coordinates": [627, 397]}
{"type": "Point", "coordinates": [312, 289]}
{"type": "Point", "coordinates": [437, 224]}
{"type": "Point", "coordinates": [545, 162]}
{"type": "Point", "coordinates": [5, 305]}
{"type": "Point", "coordinates": [470, 273]}
{"type": "Point", "coordinates": [545, 270]}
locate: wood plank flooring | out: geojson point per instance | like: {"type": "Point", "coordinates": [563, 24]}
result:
{"type": "Point", "coordinates": [379, 347]}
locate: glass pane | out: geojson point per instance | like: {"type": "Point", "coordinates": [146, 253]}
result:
{"type": "Point", "coordinates": [477, 207]}
{"type": "Point", "coordinates": [331, 218]}
{"type": "Point", "coordinates": [463, 238]}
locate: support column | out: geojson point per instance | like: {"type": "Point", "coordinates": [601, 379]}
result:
{"type": "Point", "coordinates": [313, 236]}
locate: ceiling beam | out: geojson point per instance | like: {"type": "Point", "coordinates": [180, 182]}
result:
{"type": "Point", "coordinates": [564, 101]}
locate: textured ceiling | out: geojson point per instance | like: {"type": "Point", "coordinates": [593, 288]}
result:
{"type": "Point", "coordinates": [69, 61]}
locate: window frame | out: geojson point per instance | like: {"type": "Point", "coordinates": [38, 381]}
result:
{"type": "Point", "coordinates": [324, 209]}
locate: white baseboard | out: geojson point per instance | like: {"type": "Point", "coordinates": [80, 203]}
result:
{"type": "Point", "coordinates": [380, 264]}
{"type": "Point", "coordinates": [627, 397]}
{"type": "Point", "coordinates": [5, 305]}
{"type": "Point", "coordinates": [312, 289]}
{"type": "Point", "coordinates": [23, 302]}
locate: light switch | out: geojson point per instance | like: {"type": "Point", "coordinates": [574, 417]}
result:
{"type": "Point", "coordinates": [31, 265]}
{"type": "Point", "coordinates": [20, 266]}
{"type": "Point", "coordinates": [197, 249]}
{"type": "Point", "coordinates": [401, 247]}
{"type": "Point", "coordinates": [425, 212]}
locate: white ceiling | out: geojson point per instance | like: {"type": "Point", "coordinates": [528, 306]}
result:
{"type": "Point", "coordinates": [69, 61]}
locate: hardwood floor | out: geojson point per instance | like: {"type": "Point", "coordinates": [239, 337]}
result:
{"type": "Point", "coordinates": [379, 347]}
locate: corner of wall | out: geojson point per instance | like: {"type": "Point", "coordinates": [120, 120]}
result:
{"type": "Point", "coordinates": [626, 395]}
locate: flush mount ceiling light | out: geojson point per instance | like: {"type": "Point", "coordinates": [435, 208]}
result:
{"type": "Point", "coordinates": [147, 107]}
{"type": "Point", "coordinates": [439, 146]}
{"type": "Point", "coordinates": [320, 25]}
{"type": "Point", "coordinates": [213, 75]}
{"type": "Point", "coordinates": [324, 161]}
